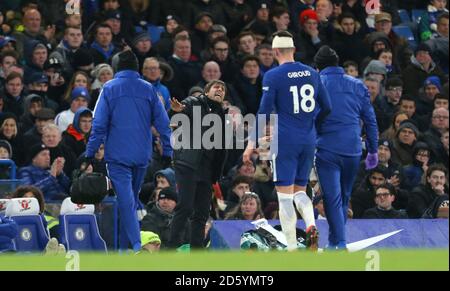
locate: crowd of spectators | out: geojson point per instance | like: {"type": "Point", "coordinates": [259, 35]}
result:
{"type": "Point", "coordinates": [53, 66]}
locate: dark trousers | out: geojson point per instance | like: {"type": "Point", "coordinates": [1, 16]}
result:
{"type": "Point", "coordinates": [337, 174]}
{"type": "Point", "coordinates": [127, 182]}
{"type": "Point", "coordinates": [194, 201]}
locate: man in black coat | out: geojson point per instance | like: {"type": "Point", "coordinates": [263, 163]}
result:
{"type": "Point", "coordinates": [197, 166]}
{"type": "Point", "coordinates": [424, 197]}
{"type": "Point", "coordinates": [186, 68]}
{"type": "Point", "coordinates": [160, 214]}
{"type": "Point", "coordinates": [384, 196]}
{"type": "Point", "coordinates": [364, 197]}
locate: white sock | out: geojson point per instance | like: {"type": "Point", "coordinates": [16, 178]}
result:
{"type": "Point", "coordinates": [288, 219]}
{"type": "Point", "coordinates": [305, 207]}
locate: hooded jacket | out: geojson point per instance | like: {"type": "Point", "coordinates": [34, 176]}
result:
{"type": "Point", "coordinates": [73, 137]}
{"type": "Point", "coordinates": [363, 198]}
{"type": "Point", "coordinates": [415, 75]}
{"type": "Point", "coordinates": [127, 108]}
{"type": "Point", "coordinates": [401, 153]}
{"type": "Point", "coordinates": [414, 172]}
{"type": "Point", "coordinates": [350, 102]}
{"type": "Point", "coordinates": [169, 174]}
{"type": "Point", "coordinates": [28, 50]}
{"type": "Point", "coordinates": [27, 120]}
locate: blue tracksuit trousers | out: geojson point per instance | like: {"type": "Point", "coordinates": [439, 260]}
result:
{"type": "Point", "coordinates": [127, 182]}
{"type": "Point", "coordinates": [337, 174]}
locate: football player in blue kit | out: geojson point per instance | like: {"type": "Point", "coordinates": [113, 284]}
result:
{"type": "Point", "coordinates": [295, 93]}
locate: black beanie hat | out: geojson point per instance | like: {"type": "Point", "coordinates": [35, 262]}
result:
{"type": "Point", "coordinates": [168, 193]}
{"type": "Point", "coordinates": [125, 61]}
{"type": "Point", "coordinates": [326, 57]}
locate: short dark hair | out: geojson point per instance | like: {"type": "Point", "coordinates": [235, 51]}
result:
{"type": "Point", "coordinates": [385, 50]}
{"type": "Point", "coordinates": [350, 63]}
{"type": "Point", "coordinates": [102, 25]}
{"type": "Point", "coordinates": [407, 97]}
{"type": "Point", "coordinates": [12, 76]}
{"type": "Point", "coordinates": [248, 58]}
{"type": "Point", "coordinates": [86, 113]}
{"type": "Point", "coordinates": [394, 82]}
{"type": "Point", "coordinates": [220, 39]}
{"type": "Point", "coordinates": [245, 33]}
{"type": "Point", "coordinates": [441, 16]}
{"type": "Point", "coordinates": [8, 53]}
{"type": "Point", "coordinates": [214, 82]}
{"type": "Point", "coordinates": [263, 46]}
{"type": "Point", "coordinates": [66, 30]}
{"type": "Point", "coordinates": [436, 167]}
{"type": "Point", "coordinates": [379, 169]}
{"type": "Point", "coordinates": [346, 15]}
{"type": "Point", "coordinates": [440, 96]}
{"type": "Point", "coordinates": [389, 187]}
{"type": "Point", "coordinates": [278, 11]}
{"type": "Point", "coordinates": [241, 179]}
{"type": "Point", "coordinates": [179, 29]}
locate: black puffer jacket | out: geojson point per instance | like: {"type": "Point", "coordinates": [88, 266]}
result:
{"type": "Point", "coordinates": [190, 157]}
{"type": "Point", "coordinates": [157, 221]}
{"type": "Point", "coordinates": [422, 197]}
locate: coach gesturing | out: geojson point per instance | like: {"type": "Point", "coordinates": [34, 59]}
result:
{"type": "Point", "coordinates": [196, 167]}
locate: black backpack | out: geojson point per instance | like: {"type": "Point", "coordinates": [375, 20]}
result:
{"type": "Point", "coordinates": [89, 188]}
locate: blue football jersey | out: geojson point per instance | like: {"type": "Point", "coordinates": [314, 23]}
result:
{"type": "Point", "coordinates": [295, 93]}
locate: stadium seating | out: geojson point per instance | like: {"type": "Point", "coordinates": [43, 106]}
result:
{"type": "Point", "coordinates": [78, 227]}
{"type": "Point", "coordinates": [416, 14]}
{"type": "Point", "coordinates": [153, 30]}
{"type": "Point", "coordinates": [32, 235]}
{"type": "Point", "coordinates": [404, 15]}
{"type": "Point", "coordinates": [406, 32]}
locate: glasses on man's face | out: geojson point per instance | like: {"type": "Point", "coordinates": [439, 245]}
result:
{"type": "Point", "coordinates": [396, 89]}
{"type": "Point", "coordinates": [221, 50]}
{"type": "Point", "coordinates": [151, 68]}
{"type": "Point", "coordinates": [440, 117]}
{"type": "Point", "coordinates": [383, 195]}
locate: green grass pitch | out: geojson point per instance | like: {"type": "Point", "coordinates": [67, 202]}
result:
{"type": "Point", "coordinates": [384, 260]}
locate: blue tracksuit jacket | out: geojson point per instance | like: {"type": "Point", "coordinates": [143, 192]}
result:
{"type": "Point", "coordinates": [125, 111]}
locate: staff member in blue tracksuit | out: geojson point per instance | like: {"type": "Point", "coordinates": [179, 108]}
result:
{"type": "Point", "coordinates": [339, 146]}
{"type": "Point", "coordinates": [126, 110]}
